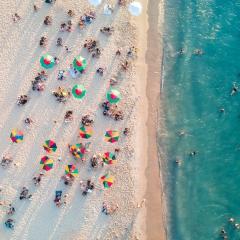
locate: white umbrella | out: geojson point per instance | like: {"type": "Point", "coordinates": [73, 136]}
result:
{"type": "Point", "coordinates": [95, 2]}
{"type": "Point", "coordinates": [135, 8]}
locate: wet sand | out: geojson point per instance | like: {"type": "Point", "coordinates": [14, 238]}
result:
{"type": "Point", "coordinates": [156, 228]}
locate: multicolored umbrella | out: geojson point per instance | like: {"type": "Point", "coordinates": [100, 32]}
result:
{"type": "Point", "coordinates": [71, 170]}
{"type": "Point", "coordinates": [47, 61]}
{"type": "Point", "coordinates": [109, 158]}
{"type": "Point", "coordinates": [46, 163]}
{"type": "Point", "coordinates": [113, 96]}
{"type": "Point", "coordinates": [79, 91]}
{"type": "Point", "coordinates": [79, 63]}
{"type": "Point", "coordinates": [86, 132]}
{"type": "Point", "coordinates": [78, 150]}
{"type": "Point", "coordinates": [111, 136]}
{"type": "Point", "coordinates": [107, 180]}
{"type": "Point", "coordinates": [16, 136]}
{"type": "Point", "coordinates": [50, 146]}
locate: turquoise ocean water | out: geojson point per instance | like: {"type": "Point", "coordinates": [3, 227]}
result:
{"type": "Point", "coordinates": [204, 191]}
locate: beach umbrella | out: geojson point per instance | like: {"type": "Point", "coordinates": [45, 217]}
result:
{"type": "Point", "coordinates": [113, 96]}
{"type": "Point", "coordinates": [95, 2]}
{"type": "Point", "coordinates": [135, 8]}
{"type": "Point", "coordinates": [109, 158]}
{"type": "Point", "coordinates": [86, 132]}
{"type": "Point", "coordinates": [111, 136]}
{"type": "Point", "coordinates": [71, 170]}
{"type": "Point", "coordinates": [79, 91]}
{"type": "Point", "coordinates": [46, 163]}
{"type": "Point", "coordinates": [50, 146]}
{"type": "Point", "coordinates": [79, 63]}
{"type": "Point", "coordinates": [47, 61]}
{"type": "Point", "coordinates": [78, 150]}
{"type": "Point", "coordinates": [16, 136]}
{"type": "Point", "coordinates": [107, 180]}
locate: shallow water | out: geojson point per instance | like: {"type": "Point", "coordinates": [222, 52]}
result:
{"type": "Point", "coordinates": [204, 190]}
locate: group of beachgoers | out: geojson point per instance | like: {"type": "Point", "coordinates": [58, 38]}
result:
{"type": "Point", "coordinates": [61, 94]}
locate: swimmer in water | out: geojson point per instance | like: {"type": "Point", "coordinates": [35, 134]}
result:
{"type": "Point", "coordinates": [193, 153]}
{"type": "Point", "coordinates": [234, 89]}
{"type": "Point", "coordinates": [181, 51]}
{"type": "Point", "coordinates": [198, 52]}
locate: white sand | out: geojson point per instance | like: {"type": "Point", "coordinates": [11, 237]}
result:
{"type": "Point", "coordinates": [81, 218]}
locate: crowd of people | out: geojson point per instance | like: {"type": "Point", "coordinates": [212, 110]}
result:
{"type": "Point", "coordinates": [62, 95]}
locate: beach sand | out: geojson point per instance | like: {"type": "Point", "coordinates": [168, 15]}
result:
{"type": "Point", "coordinates": [81, 218]}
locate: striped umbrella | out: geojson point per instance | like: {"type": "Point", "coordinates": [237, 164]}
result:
{"type": "Point", "coordinates": [109, 158]}
{"type": "Point", "coordinates": [47, 61]}
{"type": "Point", "coordinates": [111, 136]}
{"type": "Point", "coordinates": [78, 150]}
{"type": "Point", "coordinates": [71, 170]}
{"type": "Point", "coordinates": [46, 163]}
{"type": "Point", "coordinates": [86, 132]}
{"type": "Point", "coordinates": [113, 96]}
{"type": "Point", "coordinates": [50, 146]}
{"type": "Point", "coordinates": [16, 136]}
{"type": "Point", "coordinates": [79, 91]}
{"type": "Point", "coordinates": [80, 63]}
{"type": "Point", "coordinates": [107, 180]}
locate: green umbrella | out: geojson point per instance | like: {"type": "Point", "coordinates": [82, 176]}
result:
{"type": "Point", "coordinates": [79, 91]}
{"type": "Point", "coordinates": [47, 61]}
{"type": "Point", "coordinates": [80, 63]}
{"type": "Point", "coordinates": [113, 96]}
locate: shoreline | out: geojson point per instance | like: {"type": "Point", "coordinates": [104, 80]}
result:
{"type": "Point", "coordinates": [154, 57]}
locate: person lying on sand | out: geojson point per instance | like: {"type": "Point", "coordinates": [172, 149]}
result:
{"type": "Point", "coordinates": [109, 209]}
{"type": "Point", "coordinates": [6, 161]}
{"type": "Point", "coordinates": [88, 187]}
{"type": "Point", "coordinates": [25, 194]}
{"type": "Point", "coordinates": [43, 41]}
{"type": "Point", "coordinates": [59, 42]}
{"type": "Point", "coordinates": [87, 120]}
{"type": "Point", "coordinates": [22, 100]}
{"type": "Point", "coordinates": [68, 116]}
{"type": "Point", "coordinates": [37, 179]}
{"type": "Point", "coordinates": [48, 20]}
{"type": "Point", "coordinates": [107, 30]}
{"type": "Point", "coordinates": [121, 2]}
{"type": "Point", "coordinates": [11, 210]}
{"type": "Point", "coordinates": [10, 223]}
{"type": "Point", "coordinates": [16, 17]}
{"type": "Point", "coordinates": [35, 8]}
{"type": "Point", "coordinates": [100, 71]}
{"type": "Point", "coordinates": [126, 131]}
{"type": "Point", "coordinates": [70, 13]}
{"type": "Point", "coordinates": [61, 75]}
